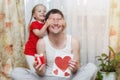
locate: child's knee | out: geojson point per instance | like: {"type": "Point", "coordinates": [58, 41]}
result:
{"type": "Point", "coordinates": [92, 66]}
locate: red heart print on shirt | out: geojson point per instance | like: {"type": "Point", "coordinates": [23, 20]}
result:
{"type": "Point", "coordinates": [62, 63]}
{"type": "Point", "coordinates": [67, 74]}
{"type": "Point", "coordinates": [56, 72]}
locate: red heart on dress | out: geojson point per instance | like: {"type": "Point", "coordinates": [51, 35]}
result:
{"type": "Point", "coordinates": [62, 63]}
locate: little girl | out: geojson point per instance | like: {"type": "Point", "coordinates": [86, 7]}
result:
{"type": "Point", "coordinates": [37, 29]}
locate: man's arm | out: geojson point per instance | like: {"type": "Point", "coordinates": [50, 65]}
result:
{"type": "Point", "coordinates": [75, 63]}
{"type": "Point", "coordinates": [76, 50]}
{"type": "Point", "coordinates": [40, 47]}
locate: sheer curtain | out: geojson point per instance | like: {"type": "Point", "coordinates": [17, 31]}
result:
{"type": "Point", "coordinates": [115, 27]}
{"type": "Point", "coordinates": [11, 36]}
{"type": "Point", "coordinates": [88, 20]}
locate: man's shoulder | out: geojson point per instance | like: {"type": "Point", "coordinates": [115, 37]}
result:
{"type": "Point", "coordinates": [75, 43]}
{"type": "Point", "coordinates": [40, 41]}
{"type": "Point", "coordinates": [75, 40]}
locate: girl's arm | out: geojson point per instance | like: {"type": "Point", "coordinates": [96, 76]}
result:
{"type": "Point", "coordinates": [40, 33]}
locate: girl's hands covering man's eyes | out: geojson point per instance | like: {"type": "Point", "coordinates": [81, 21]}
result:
{"type": "Point", "coordinates": [62, 23]}
{"type": "Point", "coordinates": [48, 22]}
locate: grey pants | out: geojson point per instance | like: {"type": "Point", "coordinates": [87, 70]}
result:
{"type": "Point", "coordinates": [87, 72]}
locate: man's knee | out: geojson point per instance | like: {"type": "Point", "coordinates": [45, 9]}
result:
{"type": "Point", "coordinates": [92, 67]}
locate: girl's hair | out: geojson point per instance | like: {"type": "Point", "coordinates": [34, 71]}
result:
{"type": "Point", "coordinates": [33, 11]}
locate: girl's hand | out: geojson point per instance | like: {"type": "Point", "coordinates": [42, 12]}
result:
{"type": "Point", "coordinates": [73, 66]}
{"type": "Point", "coordinates": [48, 22]}
{"type": "Point", "coordinates": [62, 23]}
{"type": "Point", "coordinates": [40, 68]}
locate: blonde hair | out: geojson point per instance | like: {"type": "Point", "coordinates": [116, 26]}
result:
{"type": "Point", "coordinates": [33, 11]}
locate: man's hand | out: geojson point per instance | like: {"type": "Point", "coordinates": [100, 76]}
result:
{"type": "Point", "coordinates": [40, 69]}
{"type": "Point", "coordinates": [73, 66]}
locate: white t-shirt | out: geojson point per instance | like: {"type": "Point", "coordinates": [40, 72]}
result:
{"type": "Point", "coordinates": [52, 52]}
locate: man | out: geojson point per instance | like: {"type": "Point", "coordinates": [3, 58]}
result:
{"type": "Point", "coordinates": [57, 47]}
{"type": "Point", "coordinates": [57, 42]}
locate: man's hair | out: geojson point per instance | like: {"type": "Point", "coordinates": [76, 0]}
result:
{"type": "Point", "coordinates": [54, 11]}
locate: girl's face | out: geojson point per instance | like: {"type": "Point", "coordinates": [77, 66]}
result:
{"type": "Point", "coordinates": [39, 13]}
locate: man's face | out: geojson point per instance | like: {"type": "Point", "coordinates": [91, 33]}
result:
{"type": "Point", "coordinates": [56, 26]}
